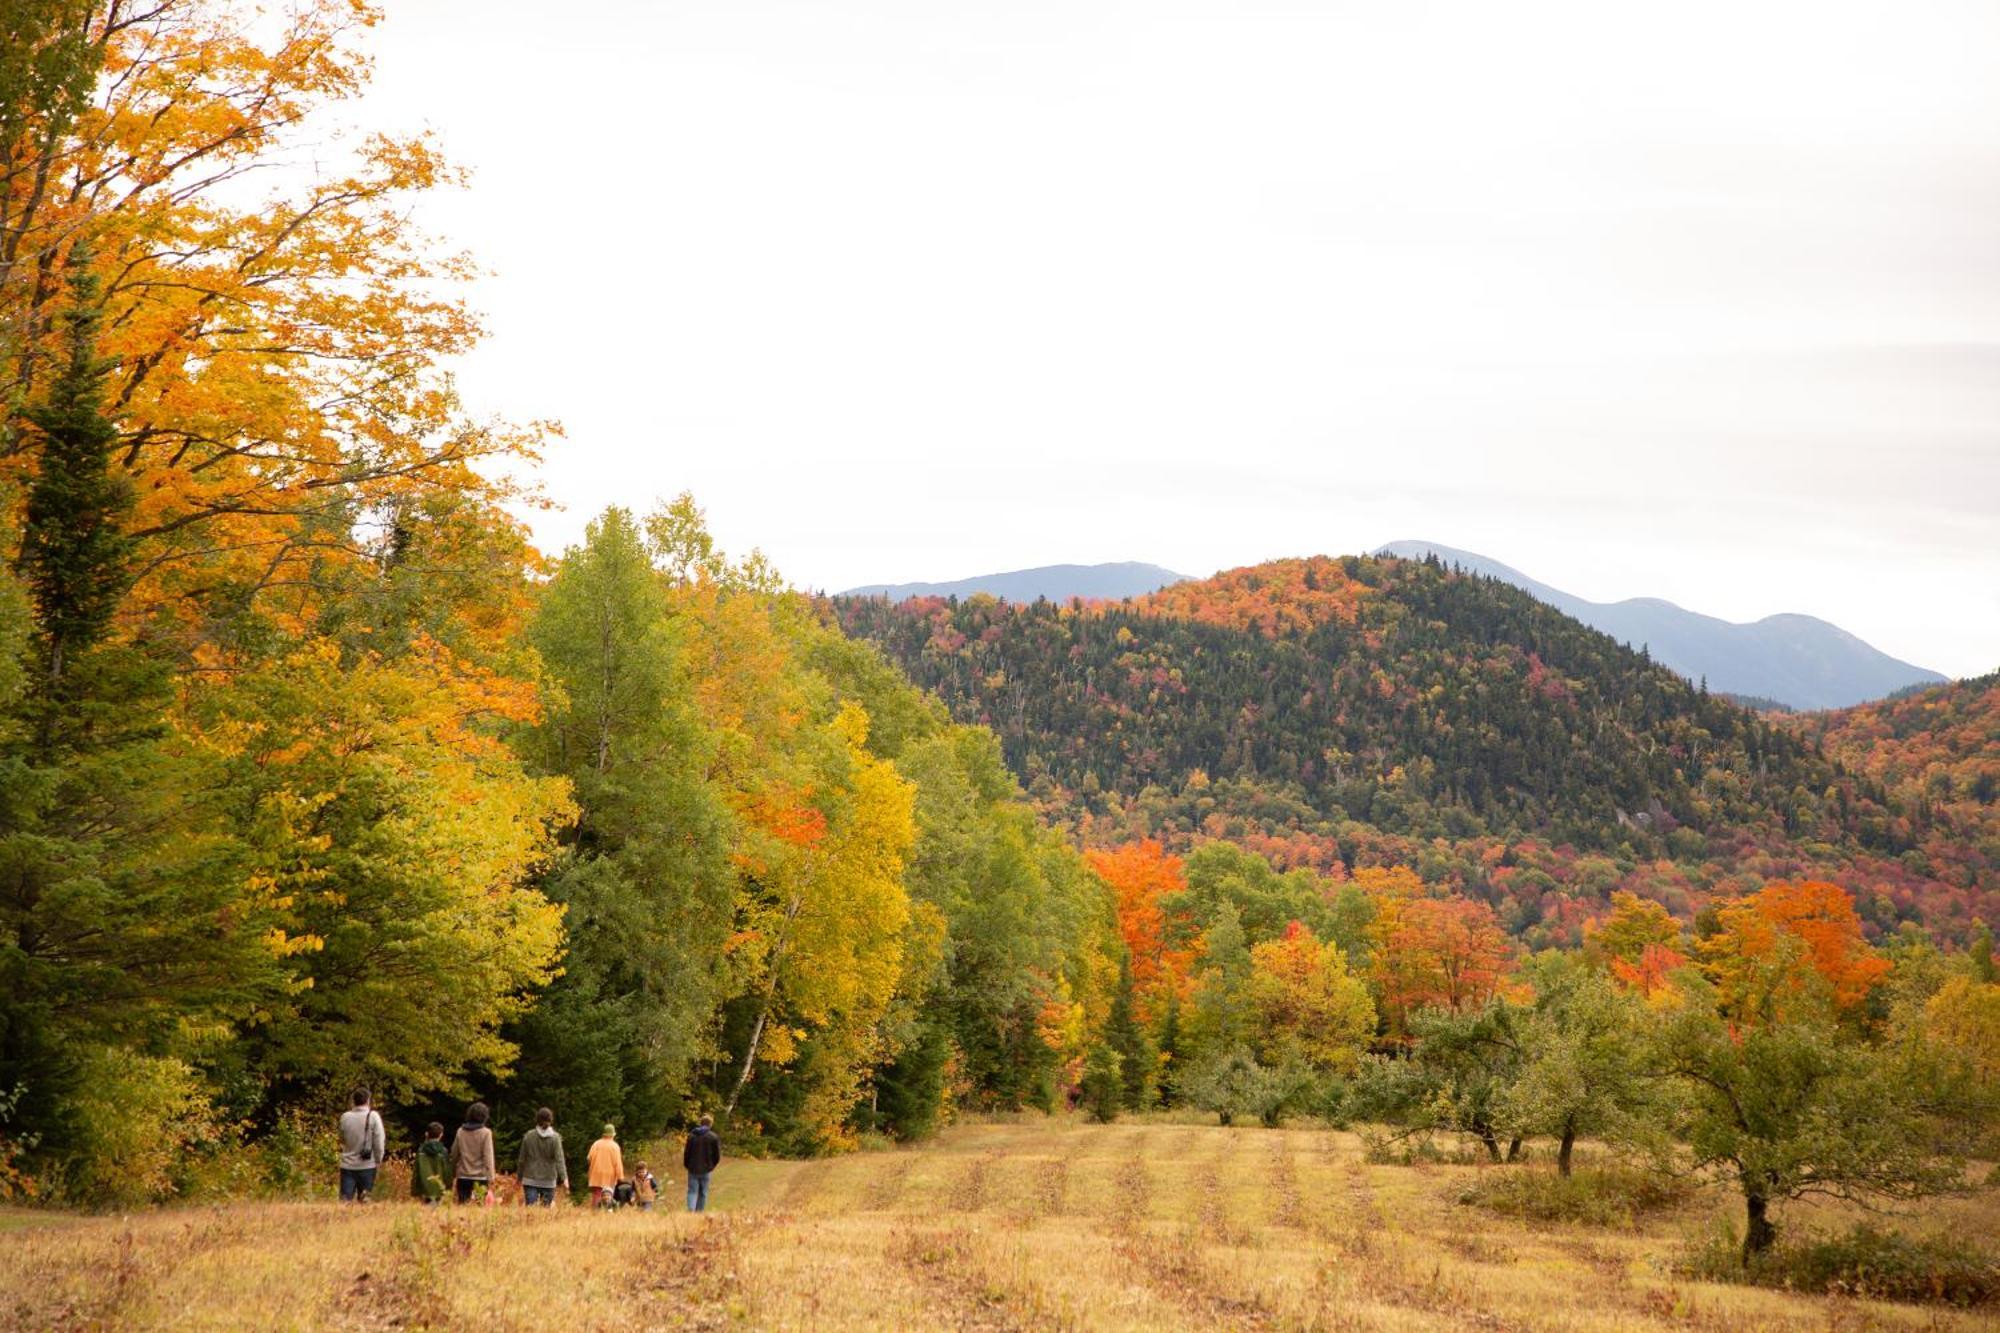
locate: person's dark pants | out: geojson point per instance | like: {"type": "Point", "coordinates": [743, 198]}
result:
{"type": "Point", "coordinates": [356, 1183]}
{"type": "Point", "coordinates": [466, 1186]}
{"type": "Point", "coordinates": [697, 1192]}
{"type": "Point", "coordinates": [539, 1195]}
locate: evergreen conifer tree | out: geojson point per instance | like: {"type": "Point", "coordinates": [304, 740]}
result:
{"type": "Point", "coordinates": [75, 553]}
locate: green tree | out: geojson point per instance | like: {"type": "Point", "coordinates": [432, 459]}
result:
{"type": "Point", "coordinates": [1230, 1081]}
{"type": "Point", "coordinates": [1124, 1034]}
{"type": "Point", "coordinates": [75, 555]}
{"type": "Point", "coordinates": [1019, 908]}
{"type": "Point", "coordinates": [1265, 901]}
{"type": "Point", "coordinates": [1581, 1069]}
{"type": "Point", "coordinates": [124, 916]}
{"type": "Point", "coordinates": [1457, 1078]}
{"type": "Point", "coordinates": [1787, 1110]}
{"type": "Point", "coordinates": [1219, 1016]}
{"type": "Point", "coordinates": [643, 876]}
{"type": "Point", "coordinates": [1103, 1083]}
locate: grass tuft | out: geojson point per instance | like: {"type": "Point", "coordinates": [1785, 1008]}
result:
{"type": "Point", "coordinates": [1603, 1196]}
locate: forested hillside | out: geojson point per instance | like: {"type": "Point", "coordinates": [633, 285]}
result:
{"type": "Point", "coordinates": [1932, 757]}
{"type": "Point", "coordinates": [1360, 711]}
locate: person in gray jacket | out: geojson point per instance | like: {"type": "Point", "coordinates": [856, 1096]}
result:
{"type": "Point", "coordinates": [542, 1167]}
{"type": "Point", "coordinates": [363, 1141]}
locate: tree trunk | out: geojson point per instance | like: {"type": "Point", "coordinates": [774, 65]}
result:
{"type": "Point", "coordinates": [764, 1014]}
{"type": "Point", "coordinates": [1562, 1154]}
{"type": "Point", "coordinates": [1758, 1237]}
{"type": "Point", "coordinates": [1514, 1148]}
{"type": "Point", "coordinates": [749, 1059]}
{"type": "Point", "coordinates": [1492, 1144]}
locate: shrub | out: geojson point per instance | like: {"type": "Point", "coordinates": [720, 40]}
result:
{"type": "Point", "coordinates": [295, 1159]}
{"type": "Point", "coordinates": [140, 1121]}
{"type": "Point", "coordinates": [1603, 1196]}
{"type": "Point", "coordinates": [1885, 1265]}
{"type": "Point", "coordinates": [15, 1182]}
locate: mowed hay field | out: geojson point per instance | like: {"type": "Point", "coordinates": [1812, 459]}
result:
{"type": "Point", "coordinates": [1035, 1224]}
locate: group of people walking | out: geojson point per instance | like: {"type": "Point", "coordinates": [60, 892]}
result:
{"type": "Point", "coordinates": [469, 1167]}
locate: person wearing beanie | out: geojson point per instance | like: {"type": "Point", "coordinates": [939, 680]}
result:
{"type": "Point", "coordinates": [606, 1166]}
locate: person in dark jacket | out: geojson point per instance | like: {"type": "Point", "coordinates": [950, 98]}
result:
{"type": "Point", "coordinates": [431, 1171]}
{"type": "Point", "coordinates": [701, 1156]}
{"type": "Point", "coordinates": [542, 1167]}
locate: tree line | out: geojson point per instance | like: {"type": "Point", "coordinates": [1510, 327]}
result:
{"type": "Point", "coordinates": [1766, 1044]}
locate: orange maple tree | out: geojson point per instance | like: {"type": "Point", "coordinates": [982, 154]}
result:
{"type": "Point", "coordinates": [1788, 947]}
{"type": "Point", "coordinates": [1447, 953]}
{"type": "Point", "coordinates": [1140, 875]}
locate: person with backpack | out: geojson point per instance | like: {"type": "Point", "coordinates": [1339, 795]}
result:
{"type": "Point", "coordinates": [431, 1167]}
{"type": "Point", "coordinates": [363, 1142]}
{"type": "Point", "coordinates": [701, 1156]}
{"type": "Point", "coordinates": [472, 1162]}
{"type": "Point", "coordinates": [542, 1167]}
{"type": "Point", "coordinates": [607, 1167]}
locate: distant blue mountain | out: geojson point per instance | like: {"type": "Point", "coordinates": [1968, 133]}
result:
{"type": "Point", "coordinates": [1058, 583]}
{"type": "Point", "coordinates": [1799, 661]}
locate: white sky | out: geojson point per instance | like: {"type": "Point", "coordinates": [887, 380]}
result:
{"type": "Point", "coordinates": [1699, 301]}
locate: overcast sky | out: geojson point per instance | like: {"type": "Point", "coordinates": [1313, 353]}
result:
{"type": "Point", "coordinates": [1699, 301]}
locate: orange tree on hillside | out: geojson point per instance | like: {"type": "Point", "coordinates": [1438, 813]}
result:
{"type": "Point", "coordinates": [1789, 949]}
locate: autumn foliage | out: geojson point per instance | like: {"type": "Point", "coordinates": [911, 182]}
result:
{"type": "Point", "coordinates": [1141, 875]}
{"type": "Point", "coordinates": [1279, 597]}
{"type": "Point", "coordinates": [1788, 947]}
{"type": "Point", "coordinates": [1445, 953]}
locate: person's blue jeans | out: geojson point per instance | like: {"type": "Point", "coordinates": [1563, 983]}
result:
{"type": "Point", "coordinates": [543, 1195]}
{"type": "Point", "coordinates": [697, 1193]}
{"type": "Point", "coordinates": [356, 1183]}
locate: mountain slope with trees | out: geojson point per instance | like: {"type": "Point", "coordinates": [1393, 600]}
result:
{"type": "Point", "coordinates": [1360, 710]}
{"type": "Point", "coordinates": [1795, 660]}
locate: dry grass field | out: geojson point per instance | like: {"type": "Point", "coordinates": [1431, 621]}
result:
{"type": "Point", "coordinates": [1035, 1224]}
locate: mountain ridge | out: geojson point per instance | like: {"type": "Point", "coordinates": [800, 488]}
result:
{"type": "Point", "coordinates": [1798, 660]}
{"type": "Point", "coordinates": [1113, 580]}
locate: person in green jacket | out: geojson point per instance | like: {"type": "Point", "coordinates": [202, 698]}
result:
{"type": "Point", "coordinates": [432, 1167]}
{"type": "Point", "coordinates": [542, 1167]}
